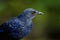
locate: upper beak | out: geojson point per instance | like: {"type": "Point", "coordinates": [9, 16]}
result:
{"type": "Point", "coordinates": [40, 13]}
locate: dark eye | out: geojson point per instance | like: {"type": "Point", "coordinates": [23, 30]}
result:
{"type": "Point", "coordinates": [33, 12]}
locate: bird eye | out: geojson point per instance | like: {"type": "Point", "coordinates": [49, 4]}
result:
{"type": "Point", "coordinates": [33, 12]}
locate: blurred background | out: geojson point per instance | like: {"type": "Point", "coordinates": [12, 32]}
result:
{"type": "Point", "coordinates": [45, 27]}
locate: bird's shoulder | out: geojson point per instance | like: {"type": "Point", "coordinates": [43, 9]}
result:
{"type": "Point", "coordinates": [14, 23]}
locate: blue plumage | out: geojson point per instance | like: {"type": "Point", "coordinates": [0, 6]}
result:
{"type": "Point", "coordinates": [20, 26]}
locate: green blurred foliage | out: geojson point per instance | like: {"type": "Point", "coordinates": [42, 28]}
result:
{"type": "Point", "coordinates": [50, 8]}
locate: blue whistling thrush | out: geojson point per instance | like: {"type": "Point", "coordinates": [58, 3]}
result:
{"type": "Point", "coordinates": [19, 26]}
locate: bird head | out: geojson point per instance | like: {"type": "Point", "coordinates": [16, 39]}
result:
{"type": "Point", "coordinates": [31, 13]}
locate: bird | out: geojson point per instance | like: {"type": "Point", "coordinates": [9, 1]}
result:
{"type": "Point", "coordinates": [20, 26]}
